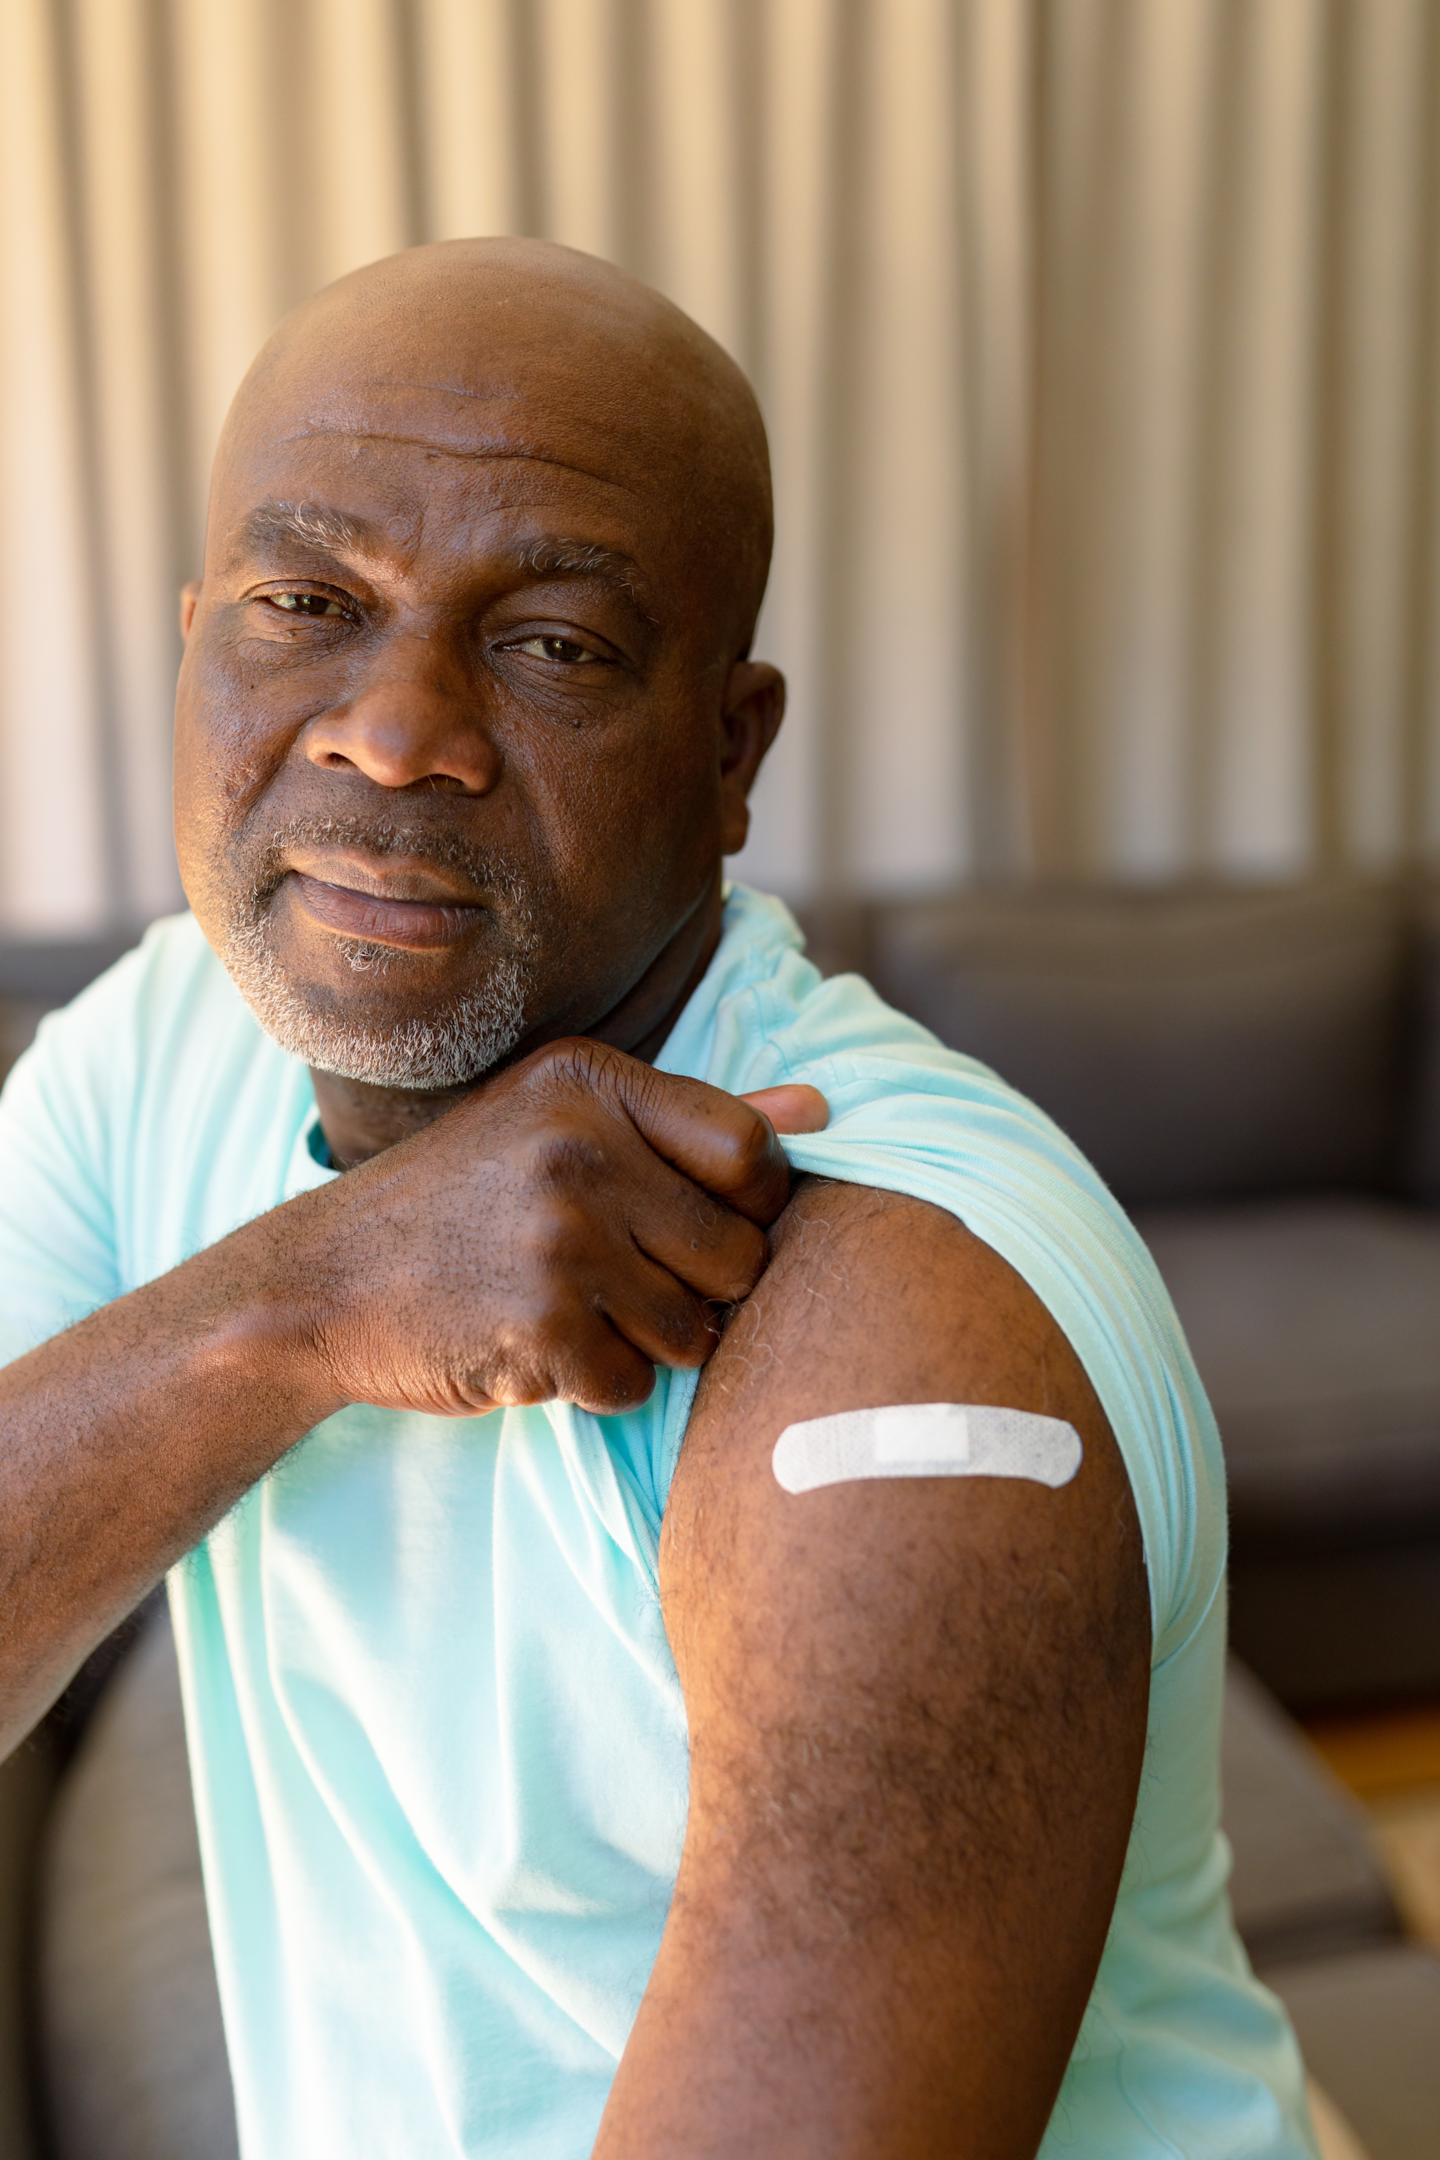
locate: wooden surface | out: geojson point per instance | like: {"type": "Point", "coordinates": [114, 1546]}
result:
{"type": "Point", "coordinates": [1381, 1754]}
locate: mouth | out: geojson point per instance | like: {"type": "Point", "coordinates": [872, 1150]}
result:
{"type": "Point", "coordinates": [405, 909]}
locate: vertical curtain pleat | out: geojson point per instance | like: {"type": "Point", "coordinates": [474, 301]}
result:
{"type": "Point", "coordinates": [795, 367]}
{"type": "Point", "coordinates": [1253, 738]}
{"type": "Point", "coordinates": [56, 854]}
{"type": "Point", "coordinates": [130, 456]}
{"type": "Point", "coordinates": [473, 117]}
{"type": "Point", "coordinates": [1376, 294]}
{"type": "Point", "coordinates": [904, 811]}
{"type": "Point", "coordinates": [997, 648]}
{"type": "Point", "coordinates": [1098, 341]}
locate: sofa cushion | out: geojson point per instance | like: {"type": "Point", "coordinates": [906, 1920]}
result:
{"type": "Point", "coordinates": [1330, 1626]}
{"type": "Point", "coordinates": [1193, 1043]}
{"type": "Point", "coordinates": [1306, 1878]}
{"type": "Point", "coordinates": [1316, 1328]}
{"type": "Point", "coordinates": [27, 1790]}
{"type": "Point", "coordinates": [133, 2045]}
{"type": "Point", "coordinates": [1420, 1161]}
{"type": "Point", "coordinates": [1367, 2024]}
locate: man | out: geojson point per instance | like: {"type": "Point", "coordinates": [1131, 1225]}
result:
{"type": "Point", "coordinates": [563, 1779]}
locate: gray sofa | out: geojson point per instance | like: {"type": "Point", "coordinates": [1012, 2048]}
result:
{"type": "Point", "coordinates": [1317, 1917]}
{"type": "Point", "coordinates": [1256, 1072]}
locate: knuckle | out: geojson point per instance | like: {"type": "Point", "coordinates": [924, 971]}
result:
{"type": "Point", "coordinates": [571, 1062]}
{"type": "Point", "coordinates": [597, 1369]}
{"type": "Point", "coordinates": [709, 1214]}
{"type": "Point", "coordinates": [513, 1377]}
{"type": "Point", "coordinates": [644, 1090]}
{"type": "Point", "coordinates": [624, 1386]}
{"type": "Point", "coordinates": [751, 1151]}
{"type": "Point", "coordinates": [748, 1256]}
{"type": "Point", "coordinates": [558, 1060]}
{"type": "Point", "coordinates": [681, 1327]}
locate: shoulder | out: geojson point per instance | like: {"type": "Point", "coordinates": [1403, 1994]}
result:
{"type": "Point", "coordinates": [65, 1114]}
{"type": "Point", "coordinates": [88, 1052]}
{"type": "Point", "coordinates": [169, 983]}
{"type": "Point", "coordinates": [135, 1085]}
{"type": "Point", "coordinates": [911, 1117]}
{"type": "Point", "coordinates": [161, 1023]}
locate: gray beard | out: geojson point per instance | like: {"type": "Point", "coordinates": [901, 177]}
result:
{"type": "Point", "coordinates": [449, 1048]}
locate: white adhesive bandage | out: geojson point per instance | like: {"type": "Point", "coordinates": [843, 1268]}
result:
{"type": "Point", "coordinates": [926, 1440]}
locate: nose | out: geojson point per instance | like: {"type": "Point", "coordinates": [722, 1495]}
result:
{"type": "Point", "coordinates": [408, 726]}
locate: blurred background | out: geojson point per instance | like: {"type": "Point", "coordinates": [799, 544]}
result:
{"type": "Point", "coordinates": [1099, 344]}
{"type": "Point", "coordinates": [1097, 340]}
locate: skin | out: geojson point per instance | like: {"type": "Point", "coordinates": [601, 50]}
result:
{"type": "Point", "coordinates": [917, 1715]}
{"type": "Point", "coordinates": [603, 417]}
{"type": "Point", "coordinates": [515, 617]}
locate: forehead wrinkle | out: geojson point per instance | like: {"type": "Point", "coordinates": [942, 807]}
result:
{"type": "Point", "coordinates": [476, 397]}
{"type": "Point", "coordinates": [472, 453]}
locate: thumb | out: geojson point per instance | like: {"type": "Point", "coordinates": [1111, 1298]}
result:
{"type": "Point", "coordinates": [791, 1109]}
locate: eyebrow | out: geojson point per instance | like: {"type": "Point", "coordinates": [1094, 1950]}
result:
{"type": "Point", "coordinates": [310, 523]}
{"type": "Point", "coordinates": [553, 555]}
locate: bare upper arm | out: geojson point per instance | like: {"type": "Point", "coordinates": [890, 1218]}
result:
{"type": "Point", "coordinates": [917, 1714]}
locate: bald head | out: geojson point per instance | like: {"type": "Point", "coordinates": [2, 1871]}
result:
{"type": "Point", "coordinates": [505, 346]}
{"type": "Point", "coordinates": [467, 718]}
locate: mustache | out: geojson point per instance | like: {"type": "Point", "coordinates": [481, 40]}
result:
{"type": "Point", "coordinates": [485, 870]}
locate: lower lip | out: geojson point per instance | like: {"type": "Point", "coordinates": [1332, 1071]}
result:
{"type": "Point", "coordinates": [417, 924]}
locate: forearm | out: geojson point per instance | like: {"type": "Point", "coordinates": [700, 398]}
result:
{"type": "Point", "coordinates": [127, 1437]}
{"type": "Point", "coordinates": [544, 1240]}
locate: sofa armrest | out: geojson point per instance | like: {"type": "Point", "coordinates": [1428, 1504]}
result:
{"type": "Point", "coordinates": [27, 1786]}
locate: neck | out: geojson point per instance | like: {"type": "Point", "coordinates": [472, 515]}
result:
{"type": "Point", "coordinates": [360, 1120]}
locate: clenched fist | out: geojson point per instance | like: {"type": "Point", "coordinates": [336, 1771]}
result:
{"type": "Point", "coordinates": [557, 1235]}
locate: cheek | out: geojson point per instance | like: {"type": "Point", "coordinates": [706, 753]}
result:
{"type": "Point", "coordinates": [196, 782]}
{"type": "Point", "coordinates": [632, 816]}
{"type": "Point", "coordinates": [224, 763]}
{"type": "Point", "coordinates": [225, 756]}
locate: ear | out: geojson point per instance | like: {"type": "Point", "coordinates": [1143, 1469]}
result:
{"type": "Point", "coordinates": [754, 706]}
{"type": "Point", "coordinates": [189, 596]}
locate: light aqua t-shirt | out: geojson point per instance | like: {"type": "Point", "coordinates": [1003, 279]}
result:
{"type": "Point", "coordinates": [438, 1741]}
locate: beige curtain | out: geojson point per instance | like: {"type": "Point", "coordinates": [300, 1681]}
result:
{"type": "Point", "coordinates": [1098, 341]}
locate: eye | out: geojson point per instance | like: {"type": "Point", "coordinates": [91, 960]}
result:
{"type": "Point", "coordinates": [568, 651]}
{"type": "Point", "coordinates": [306, 603]}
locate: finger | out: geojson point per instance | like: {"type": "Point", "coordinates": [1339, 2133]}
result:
{"type": "Point", "coordinates": [718, 1141]}
{"type": "Point", "coordinates": [697, 1238]}
{"type": "Point", "coordinates": [599, 1369]}
{"type": "Point", "coordinates": [794, 1108]}
{"type": "Point", "coordinates": [616, 1378]}
{"type": "Point", "coordinates": [667, 1323]}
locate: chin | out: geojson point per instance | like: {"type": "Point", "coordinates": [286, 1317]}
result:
{"type": "Point", "coordinates": [356, 1032]}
